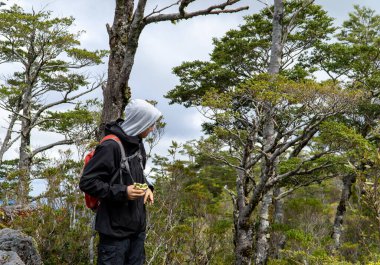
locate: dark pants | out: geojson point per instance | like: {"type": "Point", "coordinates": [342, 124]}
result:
{"type": "Point", "coordinates": [128, 251]}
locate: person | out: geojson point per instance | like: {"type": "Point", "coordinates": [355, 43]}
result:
{"type": "Point", "coordinates": [121, 217]}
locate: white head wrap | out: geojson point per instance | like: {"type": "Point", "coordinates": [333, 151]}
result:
{"type": "Point", "coordinates": [139, 116]}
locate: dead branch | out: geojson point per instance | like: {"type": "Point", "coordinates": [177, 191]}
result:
{"type": "Point", "coordinates": [215, 9]}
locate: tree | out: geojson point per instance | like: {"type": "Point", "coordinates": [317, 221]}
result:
{"type": "Point", "coordinates": [354, 59]}
{"type": "Point", "coordinates": [49, 57]}
{"type": "Point", "coordinates": [245, 52]}
{"type": "Point", "coordinates": [124, 36]}
{"type": "Point", "coordinates": [238, 141]}
{"type": "Point", "coordinates": [238, 57]}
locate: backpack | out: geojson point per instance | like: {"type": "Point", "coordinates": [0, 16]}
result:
{"type": "Point", "coordinates": [92, 202]}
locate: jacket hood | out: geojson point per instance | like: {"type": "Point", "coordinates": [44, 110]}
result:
{"type": "Point", "coordinates": [139, 116]}
{"type": "Point", "coordinates": [115, 128]}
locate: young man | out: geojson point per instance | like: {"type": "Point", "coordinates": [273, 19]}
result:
{"type": "Point", "coordinates": [120, 217]}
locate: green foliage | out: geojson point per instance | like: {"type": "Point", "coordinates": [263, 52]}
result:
{"type": "Point", "coordinates": [301, 257]}
{"type": "Point", "coordinates": [58, 219]}
{"type": "Point", "coordinates": [47, 55]}
{"type": "Point", "coordinates": [363, 26]}
{"type": "Point", "coordinates": [244, 52]}
{"type": "Point", "coordinates": [343, 138]}
{"type": "Point", "coordinates": [44, 92]}
{"type": "Point", "coordinates": [8, 180]}
{"type": "Point", "coordinates": [189, 222]}
{"type": "Point", "coordinates": [299, 236]}
{"type": "Point", "coordinates": [59, 240]}
{"type": "Point", "coordinates": [354, 57]}
{"type": "Point", "coordinates": [73, 123]}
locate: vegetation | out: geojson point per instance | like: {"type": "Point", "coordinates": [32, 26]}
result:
{"type": "Point", "coordinates": [287, 171]}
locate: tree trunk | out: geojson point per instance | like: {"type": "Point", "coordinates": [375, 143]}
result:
{"type": "Point", "coordinates": [269, 134]}
{"type": "Point", "coordinates": [278, 207]}
{"type": "Point", "coordinates": [25, 157]}
{"type": "Point", "coordinates": [263, 234]}
{"type": "Point", "coordinates": [243, 241]}
{"type": "Point", "coordinates": [123, 40]}
{"type": "Point", "coordinates": [276, 48]}
{"type": "Point", "coordinates": [348, 180]}
{"type": "Point", "coordinates": [91, 249]}
{"type": "Point", "coordinates": [243, 234]}
{"type": "Point", "coordinates": [278, 238]}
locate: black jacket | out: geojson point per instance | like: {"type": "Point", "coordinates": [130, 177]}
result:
{"type": "Point", "coordinates": [116, 216]}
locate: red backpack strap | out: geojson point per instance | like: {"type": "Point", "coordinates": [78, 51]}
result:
{"type": "Point", "coordinates": [116, 139]}
{"type": "Point", "coordinates": [110, 137]}
{"type": "Point", "coordinates": [124, 159]}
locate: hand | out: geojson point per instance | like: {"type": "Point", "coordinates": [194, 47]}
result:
{"type": "Point", "coordinates": [134, 193]}
{"type": "Point", "coordinates": [148, 197]}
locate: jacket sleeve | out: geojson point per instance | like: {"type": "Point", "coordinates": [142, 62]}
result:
{"type": "Point", "coordinates": [97, 174]}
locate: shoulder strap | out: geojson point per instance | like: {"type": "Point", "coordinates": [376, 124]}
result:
{"type": "Point", "coordinates": [123, 157]}
{"type": "Point", "coordinates": [124, 164]}
{"type": "Point", "coordinates": [117, 140]}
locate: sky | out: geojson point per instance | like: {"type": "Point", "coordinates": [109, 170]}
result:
{"type": "Point", "coordinates": [162, 46]}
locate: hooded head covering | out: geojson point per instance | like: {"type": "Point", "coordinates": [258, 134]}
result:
{"type": "Point", "coordinates": [139, 116]}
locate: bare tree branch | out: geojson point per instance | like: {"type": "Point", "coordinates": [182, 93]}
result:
{"type": "Point", "coordinates": [155, 11]}
{"type": "Point", "coordinates": [64, 100]}
{"type": "Point", "coordinates": [289, 191]}
{"type": "Point", "coordinates": [267, 5]}
{"type": "Point", "coordinates": [223, 160]}
{"type": "Point", "coordinates": [7, 142]}
{"type": "Point", "coordinates": [62, 142]}
{"type": "Point", "coordinates": [231, 193]}
{"type": "Point", "coordinates": [291, 24]}
{"type": "Point", "coordinates": [215, 9]}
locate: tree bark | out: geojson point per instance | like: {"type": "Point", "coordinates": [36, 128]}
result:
{"type": "Point", "coordinates": [278, 207]}
{"type": "Point", "coordinates": [123, 40]}
{"type": "Point", "coordinates": [278, 238]}
{"type": "Point", "coordinates": [243, 241]}
{"type": "Point", "coordinates": [277, 43]}
{"type": "Point", "coordinates": [269, 135]}
{"type": "Point", "coordinates": [25, 159]}
{"type": "Point", "coordinates": [243, 233]}
{"type": "Point", "coordinates": [348, 180]}
{"type": "Point", "coordinates": [263, 234]}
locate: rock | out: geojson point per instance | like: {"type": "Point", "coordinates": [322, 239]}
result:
{"type": "Point", "coordinates": [23, 245]}
{"type": "Point", "coordinates": [10, 258]}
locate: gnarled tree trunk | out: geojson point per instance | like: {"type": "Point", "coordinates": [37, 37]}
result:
{"type": "Point", "coordinates": [348, 180]}
{"type": "Point", "coordinates": [243, 242]}
{"type": "Point", "coordinates": [123, 40]}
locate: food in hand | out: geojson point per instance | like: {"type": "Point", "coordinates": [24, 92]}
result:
{"type": "Point", "coordinates": [141, 186]}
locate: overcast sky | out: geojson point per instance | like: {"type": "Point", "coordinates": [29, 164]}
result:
{"type": "Point", "coordinates": [163, 46]}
